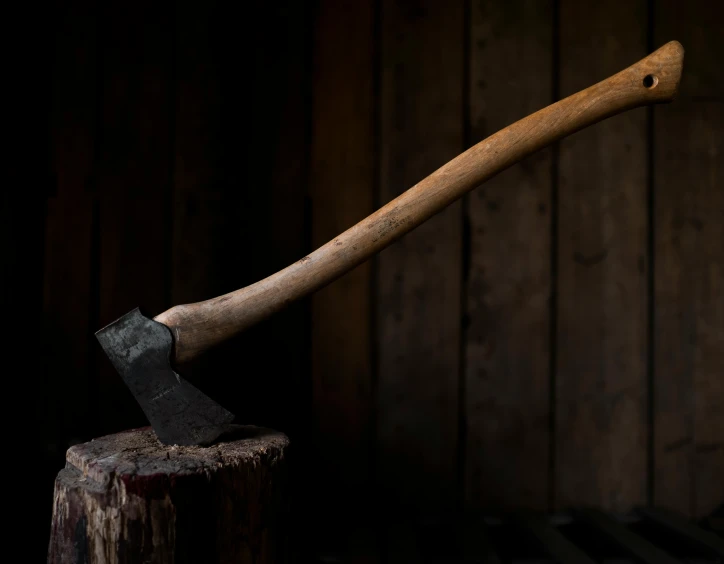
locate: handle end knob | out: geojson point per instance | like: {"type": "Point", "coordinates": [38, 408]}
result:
{"type": "Point", "coordinates": [660, 73]}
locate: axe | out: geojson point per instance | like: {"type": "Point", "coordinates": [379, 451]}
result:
{"type": "Point", "coordinates": [145, 351]}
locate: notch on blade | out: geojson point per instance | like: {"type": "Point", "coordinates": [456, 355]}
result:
{"type": "Point", "coordinates": [140, 349]}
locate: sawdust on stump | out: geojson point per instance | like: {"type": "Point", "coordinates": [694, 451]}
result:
{"type": "Point", "coordinates": [129, 498]}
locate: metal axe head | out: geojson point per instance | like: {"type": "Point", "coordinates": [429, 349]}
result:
{"type": "Point", "coordinates": [140, 349]}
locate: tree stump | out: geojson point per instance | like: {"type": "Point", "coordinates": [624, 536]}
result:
{"type": "Point", "coordinates": [128, 498]}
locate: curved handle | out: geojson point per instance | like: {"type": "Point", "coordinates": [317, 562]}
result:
{"type": "Point", "coordinates": [199, 326]}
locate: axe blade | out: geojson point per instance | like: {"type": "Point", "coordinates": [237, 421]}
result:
{"type": "Point", "coordinates": [140, 350]}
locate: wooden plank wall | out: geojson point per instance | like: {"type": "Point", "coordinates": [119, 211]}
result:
{"type": "Point", "coordinates": [418, 280]}
{"type": "Point", "coordinates": [601, 341]}
{"type": "Point", "coordinates": [553, 338]}
{"type": "Point", "coordinates": [688, 290]}
{"type": "Point", "coordinates": [507, 317]}
{"type": "Point", "coordinates": [343, 192]}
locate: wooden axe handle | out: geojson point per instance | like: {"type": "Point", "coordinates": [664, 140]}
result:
{"type": "Point", "coordinates": [199, 326]}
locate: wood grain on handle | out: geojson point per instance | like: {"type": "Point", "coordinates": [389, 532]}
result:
{"type": "Point", "coordinates": [199, 326]}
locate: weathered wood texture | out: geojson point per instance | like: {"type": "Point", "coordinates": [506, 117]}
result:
{"type": "Point", "coordinates": [688, 216]}
{"type": "Point", "coordinates": [419, 279]}
{"type": "Point", "coordinates": [128, 498]}
{"type": "Point", "coordinates": [600, 379]}
{"type": "Point", "coordinates": [508, 286]}
{"type": "Point", "coordinates": [342, 191]}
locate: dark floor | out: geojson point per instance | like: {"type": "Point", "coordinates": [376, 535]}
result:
{"type": "Point", "coordinates": [581, 536]}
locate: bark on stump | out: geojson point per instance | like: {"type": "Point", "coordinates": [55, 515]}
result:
{"type": "Point", "coordinates": [128, 498]}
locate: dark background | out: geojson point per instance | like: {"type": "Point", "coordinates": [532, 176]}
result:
{"type": "Point", "coordinates": [553, 339]}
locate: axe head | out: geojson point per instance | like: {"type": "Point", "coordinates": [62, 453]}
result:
{"type": "Point", "coordinates": [140, 350]}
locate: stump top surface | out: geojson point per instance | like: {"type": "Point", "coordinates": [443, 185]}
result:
{"type": "Point", "coordinates": [138, 452]}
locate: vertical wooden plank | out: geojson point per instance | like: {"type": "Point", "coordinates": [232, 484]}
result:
{"type": "Point", "coordinates": [689, 263]}
{"type": "Point", "coordinates": [133, 180]}
{"type": "Point", "coordinates": [508, 285]}
{"type": "Point", "coordinates": [239, 193]}
{"type": "Point", "coordinates": [601, 412]}
{"type": "Point", "coordinates": [342, 190]}
{"type": "Point", "coordinates": [68, 233]}
{"type": "Point", "coordinates": [275, 204]}
{"type": "Point", "coordinates": [206, 203]}
{"type": "Point", "coordinates": [419, 277]}
{"type": "Point", "coordinates": [209, 215]}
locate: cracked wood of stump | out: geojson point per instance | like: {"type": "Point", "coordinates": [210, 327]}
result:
{"type": "Point", "coordinates": [128, 498]}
